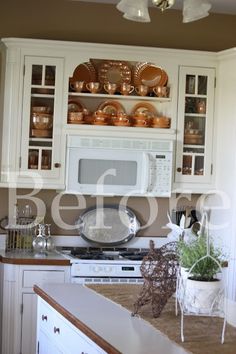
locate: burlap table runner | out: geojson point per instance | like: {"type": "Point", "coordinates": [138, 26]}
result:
{"type": "Point", "coordinates": [202, 334]}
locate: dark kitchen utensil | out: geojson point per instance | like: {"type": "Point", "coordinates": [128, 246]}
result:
{"type": "Point", "coordinates": [195, 228]}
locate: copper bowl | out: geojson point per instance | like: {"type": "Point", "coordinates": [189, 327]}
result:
{"type": "Point", "coordinates": [41, 109]}
{"type": "Point", "coordinates": [75, 117]}
{"type": "Point", "coordinates": [160, 122]}
{"type": "Point", "coordinates": [42, 121]}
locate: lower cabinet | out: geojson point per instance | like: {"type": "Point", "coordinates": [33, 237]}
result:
{"type": "Point", "coordinates": [19, 304]}
{"type": "Point", "coordinates": [29, 307]}
{"type": "Point", "coordinates": [55, 334]}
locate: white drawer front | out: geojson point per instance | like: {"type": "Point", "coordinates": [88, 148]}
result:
{"type": "Point", "coordinates": [75, 341]}
{"type": "Point", "coordinates": [46, 316]}
{"type": "Point", "coordinates": [63, 333]}
{"type": "Point", "coordinates": [31, 277]}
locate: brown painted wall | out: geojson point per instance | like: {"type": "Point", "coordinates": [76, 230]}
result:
{"type": "Point", "coordinates": [55, 214]}
{"type": "Point", "coordinates": [75, 21]}
{"type": "Point", "coordinates": [89, 22]}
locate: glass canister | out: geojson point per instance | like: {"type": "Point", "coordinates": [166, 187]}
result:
{"type": "Point", "coordinates": [49, 241]}
{"type": "Point", "coordinates": [39, 242]}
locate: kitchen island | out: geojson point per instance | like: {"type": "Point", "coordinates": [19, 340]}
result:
{"type": "Point", "coordinates": [108, 327]}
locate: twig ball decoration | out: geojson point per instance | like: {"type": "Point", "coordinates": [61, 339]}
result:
{"type": "Point", "coordinates": [159, 270]}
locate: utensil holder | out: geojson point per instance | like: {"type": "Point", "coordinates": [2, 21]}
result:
{"type": "Point", "coordinates": [20, 235]}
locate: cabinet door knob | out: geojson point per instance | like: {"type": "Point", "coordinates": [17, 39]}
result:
{"type": "Point", "coordinates": [179, 169]}
{"type": "Point", "coordinates": [57, 165]}
{"type": "Point", "coordinates": [56, 330]}
{"type": "Point", "coordinates": [44, 318]}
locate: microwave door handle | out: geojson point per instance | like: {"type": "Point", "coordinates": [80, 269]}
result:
{"type": "Point", "coordinates": [149, 166]}
{"type": "Point", "coordinates": [147, 169]}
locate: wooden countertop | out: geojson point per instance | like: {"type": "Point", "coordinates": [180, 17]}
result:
{"type": "Point", "coordinates": [108, 324]}
{"type": "Point", "coordinates": [30, 258]}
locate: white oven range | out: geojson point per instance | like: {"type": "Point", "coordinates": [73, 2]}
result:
{"type": "Point", "coordinates": [111, 253]}
{"type": "Point", "coordinates": [98, 265]}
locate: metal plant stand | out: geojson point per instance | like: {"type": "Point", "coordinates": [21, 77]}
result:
{"type": "Point", "coordinates": [190, 302]}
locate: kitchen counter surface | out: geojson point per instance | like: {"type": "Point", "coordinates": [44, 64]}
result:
{"type": "Point", "coordinates": [31, 258]}
{"type": "Point", "coordinates": [108, 324]}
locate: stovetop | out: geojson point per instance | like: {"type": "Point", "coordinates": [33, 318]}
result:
{"type": "Point", "coordinates": [106, 253]}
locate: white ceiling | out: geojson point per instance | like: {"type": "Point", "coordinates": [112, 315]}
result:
{"type": "Point", "coordinates": [218, 6]}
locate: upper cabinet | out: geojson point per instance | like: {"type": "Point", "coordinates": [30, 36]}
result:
{"type": "Point", "coordinates": [194, 162]}
{"type": "Point", "coordinates": [50, 89]}
{"type": "Point", "coordinates": [41, 113]}
{"type": "Point", "coordinates": [33, 146]}
{"type": "Point", "coordinates": [118, 93]}
{"type": "Point", "coordinates": [53, 88]}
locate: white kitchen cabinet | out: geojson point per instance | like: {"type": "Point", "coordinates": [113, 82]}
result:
{"type": "Point", "coordinates": [33, 151]}
{"type": "Point", "coordinates": [194, 155]}
{"type": "Point", "coordinates": [19, 308]}
{"type": "Point", "coordinates": [29, 308]}
{"type": "Point", "coordinates": [39, 73]}
{"type": "Point", "coordinates": [42, 89]}
{"type": "Point", "coordinates": [58, 336]}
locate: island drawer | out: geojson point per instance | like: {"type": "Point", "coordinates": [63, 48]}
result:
{"type": "Point", "coordinates": [45, 316]}
{"type": "Point", "coordinates": [76, 341]}
{"type": "Point", "coordinates": [62, 333]}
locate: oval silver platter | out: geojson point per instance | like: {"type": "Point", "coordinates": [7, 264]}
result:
{"type": "Point", "coordinates": [109, 225]}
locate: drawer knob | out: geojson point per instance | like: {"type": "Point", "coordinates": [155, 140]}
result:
{"type": "Point", "coordinates": [44, 318]}
{"type": "Point", "coordinates": [57, 165]}
{"type": "Point", "coordinates": [56, 330]}
{"type": "Point", "coordinates": [179, 169]}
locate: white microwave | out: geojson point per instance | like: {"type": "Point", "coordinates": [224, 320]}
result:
{"type": "Point", "coordinates": [118, 166]}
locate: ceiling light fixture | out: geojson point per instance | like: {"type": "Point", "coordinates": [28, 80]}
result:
{"type": "Point", "coordinates": [137, 10]}
{"type": "Point", "coordinates": [194, 10]}
{"type": "Point", "coordinates": [163, 4]}
{"type": "Point", "coordinates": [134, 10]}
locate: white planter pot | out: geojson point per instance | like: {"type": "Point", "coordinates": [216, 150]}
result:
{"type": "Point", "coordinates": [184, 273]}
{"type": "Point", "coordinates": [201, 296]}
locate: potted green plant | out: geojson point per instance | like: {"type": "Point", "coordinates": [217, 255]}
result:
{"type": "Point", "coordinates": [200, 263]}
{"type": "Point", "coordinates": [192, 255]}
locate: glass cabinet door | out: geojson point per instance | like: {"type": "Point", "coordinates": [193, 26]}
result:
{"type": "Point", "coordinates": [41, 110]}
{"type": "Point", "coordinates": [195, 123]}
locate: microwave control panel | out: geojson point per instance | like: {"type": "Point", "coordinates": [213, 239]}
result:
{"type": "Point", "coordinates": [160, 174]}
